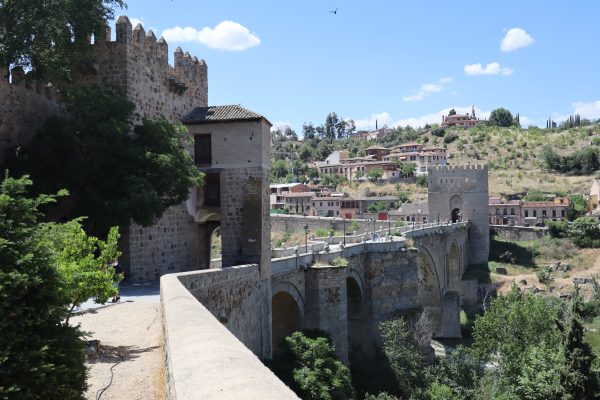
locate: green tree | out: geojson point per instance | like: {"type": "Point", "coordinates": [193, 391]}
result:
{"type": "Point", "coordinates": [577, 379]}
{"type": "Point", "coordinates": [112, 173]}
{"type": "Point", "coordinates": [460, 371]}
{"type": "Point", "coordinates": [47, 37]}
{"type": "Point", "coordinates": [576, 208]}
{"type": "Point", "coordinates": [407, 169]}
{"type": "Point", "coordinates": [529, 318]}
{"type": "Point", "coordinates": [501, 117]}
{"type": "Point", "coordinates": [401, 351]}
{"type": "Point", "coordinates": [331, 121]}
{"type": "Point", "coordinates": [534, 195]}
{"type": "Point", "coordinates": [374, 174]}
{"type": "Point", "coordinates": [421, 181]}
{"type": "Point", "coordinates": [307, 363]}
{"type": "Point", "coordinates": [40, 357]}
{"type": "Point", "coordinates": [585, 232]}
{"type": "Point", "coordinates": [83, 263]}
{"type": "Point", "coordinates": [378, 207]}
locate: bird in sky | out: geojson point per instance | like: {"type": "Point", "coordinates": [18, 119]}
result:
{"type": "Point", "coordinates": [334, 11]}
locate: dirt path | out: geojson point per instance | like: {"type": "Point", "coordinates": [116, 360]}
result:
{"type": "Point", "coordinates": [129, 334]}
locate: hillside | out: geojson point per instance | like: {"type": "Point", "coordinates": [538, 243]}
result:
{"type": "Point", "coordinates": [514, 156]}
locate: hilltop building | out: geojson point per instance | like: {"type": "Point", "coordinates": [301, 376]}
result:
{"type": "Point", "coordinates": [461, 120]}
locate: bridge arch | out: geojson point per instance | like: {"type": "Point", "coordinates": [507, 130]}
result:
{"type": "Point", "coordinates": [430, 288]}
{"type": "Point", "coordinates": [287, 312]}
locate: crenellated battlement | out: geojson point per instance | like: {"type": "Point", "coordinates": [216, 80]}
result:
{"type": "Point", "coordinates": [144, 46]}
{"type": "Point", "coordinates": [459, 168]}
{"type": "Point", "coordinates": [23, 82]}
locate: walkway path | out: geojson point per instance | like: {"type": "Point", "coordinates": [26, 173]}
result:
{"type": "Point", "coordinates": [130, 337]}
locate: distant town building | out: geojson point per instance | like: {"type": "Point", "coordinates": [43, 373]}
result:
{"type": "Point", "coordinates": [278, 192]}
{"type": "Point", "coordinates": [526, 213]}
{"type": "Point", "coordinates": [461, 120]}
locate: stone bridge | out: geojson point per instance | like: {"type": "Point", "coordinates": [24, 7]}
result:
{"type": "Point", "coordinates": [381, 280]}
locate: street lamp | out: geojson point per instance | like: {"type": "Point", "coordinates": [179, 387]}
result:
{"type": "Point", "coordinates": [389, 225]}
{"type": "Point", "coordinates": [438, 219]}
{"type": "Point", "coordinates": [419, 216]}
{"type": "Point", "coordinates": [344, 231]}
{"type": "Point", "coordinates": [306, 232]}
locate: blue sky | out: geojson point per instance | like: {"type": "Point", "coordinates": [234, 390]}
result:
{"type": "Point", "coordinates": [399, 62]}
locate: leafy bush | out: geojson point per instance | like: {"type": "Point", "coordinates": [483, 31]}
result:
{"type": "Point", "coordinates": [307, 364]}
{"type": "Point", "coordinates": [450, 137]}
{"type": "Point", "coordinates": [557, 229]}
{"type": "Point", "coordinates": [585, 232]}
{"type": "Point", "coordinates": [320, 232]}
{"type": "Point", "coordinates": [40, 356]}
{"type": "Point", "coordinates": [421, 181]}
{"type": "Point", "coordinates": [339, 262]}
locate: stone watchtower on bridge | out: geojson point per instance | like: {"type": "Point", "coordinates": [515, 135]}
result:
{"type": "Point", "coordinates": [460, 192]}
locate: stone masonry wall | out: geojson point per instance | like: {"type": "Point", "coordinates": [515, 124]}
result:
{"type": "Point", "coordinates": [292, 223]}
{"type": "Point", "coordinates": [235, 296]}
{"type": "Point", "coordinates": [326, 305]}
{"type": "Point", "coordinates": [24, 106]}
{"type": "Point", "coordinates": [516, 233]}
{"type": "Point", "coordinates": [137, 65]}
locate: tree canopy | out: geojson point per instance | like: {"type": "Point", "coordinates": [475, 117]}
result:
{"type": "Point", "coordinates": [114, 174]}
{"type": "Point", "coordinates": [47, 36]}
{"type": "Point", "coordinates": [40, 358]}
{"type": "Point", "coordinates": [501, 117]}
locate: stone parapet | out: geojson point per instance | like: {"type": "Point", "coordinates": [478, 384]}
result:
{"type": "Point", "coordinates": [203, 359]}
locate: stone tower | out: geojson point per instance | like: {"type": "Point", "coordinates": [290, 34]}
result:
{"type": "Point", "coordinates": [460, 192]}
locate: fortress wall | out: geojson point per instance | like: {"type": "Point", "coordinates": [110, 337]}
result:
{"type": "Point", "coordinates": [294, 223]}
{"type": "Point", "coordinates": [24, 107]}
{"type": "Point", "coordinates": [517, 233]}
{"type": "Point", "coordinates": [236, 297]}
{"type": "Point", "coordinates": [136, 63]}
{"type": "Point", "coordinates": [464, 187]}
{"type": "Point", "coordinates": [203, 359]}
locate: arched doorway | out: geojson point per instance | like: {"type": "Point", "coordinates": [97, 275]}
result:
{"type": "Point", "coordinates": [456, 215]}
{"type": "Point", "coordinates": [456, 206]}
{"type": "Point", "coordinates": [215, 248]}
{"type": "Point", "coordinates": [286, 317]}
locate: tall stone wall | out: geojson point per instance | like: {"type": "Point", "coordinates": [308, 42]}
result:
{"type": "Point", "coordinates": [136, 64]}
{"type": "Point", "coordinates": [464, 188]}
{"type": "Point", "coordinates": [517, 233]}
{"type": "Point", "coordinates": [293, 223]}
{"type": "Point", "coordinates": [239, 299]}
{"type": "Point", "coordinates": [24, 106]}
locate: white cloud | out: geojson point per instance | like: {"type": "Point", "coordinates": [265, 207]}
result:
{"type": "Point", "coordinates": [384, 118]}
{"type": "Point", "coordinates": [436, 118]}
{"type": "Point", "coordinates": [227, 35]}
{"type": "Point", "coordinates": [426, 89]}
{"type": "Point", "coordinates": [280, 126]}
{"type": "Point", "coordinates": [516, 38]}
{"type": "Point", "coordinates": [589, 110]}
{"type": "Point", "coordinates": [492, 68]}
{"type": "Point", "coordinates": [525, 122]}
{"type": "Point", "coordinates": [369, 123]}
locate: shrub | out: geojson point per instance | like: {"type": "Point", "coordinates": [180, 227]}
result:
{"type": "Point", "coordinates": [320, 232]}
{"type": "Point", "coordinates": [450, 137]}
{"type": "Point", "coordinates": [421, 181]}
{"type": "Point", "coordinates": [339, 262]}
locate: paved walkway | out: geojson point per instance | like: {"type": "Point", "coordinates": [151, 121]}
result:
{"type": "Point", "coordinates": [129, 356]}
{"type": "Point", "coordinates": [148, 292]}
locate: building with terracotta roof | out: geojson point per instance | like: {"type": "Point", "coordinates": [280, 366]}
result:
{"type": "Point", "coordinates": [461, 120]}
{"type": "Point", "coordinates": [526, 213]}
